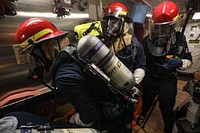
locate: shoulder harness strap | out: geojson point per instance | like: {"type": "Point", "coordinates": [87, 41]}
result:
{"type": "Point", "coordinates": [63, 56]}
{"type": "Point", "coordinates": [135, 50]}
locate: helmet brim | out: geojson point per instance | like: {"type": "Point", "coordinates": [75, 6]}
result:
{"type": "Point", "coordinates": [53, 35]}
{"type": "Point", "coordinates": [48, 37]}
{"type": "Point", "coordinates": [126, 18]}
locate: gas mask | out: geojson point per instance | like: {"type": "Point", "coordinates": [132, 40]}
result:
{"type": "Point", "coordinates": [117, 36]}
{"type": "Point", "coordinates": [40, 57]}
{"type": "Point", "coordinates": [160, 39]}
{"type": "Point", "coordinates": [112, 28]}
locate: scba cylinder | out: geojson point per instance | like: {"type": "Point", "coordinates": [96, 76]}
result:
{"type": "Point", "coordinates": [92, 48]}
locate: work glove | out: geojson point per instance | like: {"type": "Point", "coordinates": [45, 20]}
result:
{"type": "Point", "coordinates": [75, 119]}
{"type": "Point", "coordinates": [171, 64]}
{"type": "Point", "coordinates": [135, 94]}
{"type": "Point", "coordinates": [8, 123]}
{"type": "Point", "coordinates": [139, 74]}
{"type": "Point", "coordinates": [186, 64]}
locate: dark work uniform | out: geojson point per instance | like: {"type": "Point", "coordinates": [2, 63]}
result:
{"type": "Point", "coordinates": [91, 98]}
{"type": "Point", "coordinates": [163, 82]}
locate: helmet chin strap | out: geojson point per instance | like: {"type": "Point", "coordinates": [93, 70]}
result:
{"type": "Point", "coordinates": [122, 40]}
{"type": "Point", "coordinates": [121, 33]}
{"type": "Point", "coordinates": [58, 42]}
{"type": "Point", "coordinates": [121, 37]}
{"type": "Point", "coordinates": [125, 45]}
{"type": "Point", "coordinates": [41, 58]}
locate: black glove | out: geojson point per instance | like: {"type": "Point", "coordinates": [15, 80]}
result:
{"type": "Point", "coordinates": [172, 64]}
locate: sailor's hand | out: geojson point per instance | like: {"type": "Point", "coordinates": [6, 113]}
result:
{"type": "Point", "coordinates": [135, 94]}
{"type": "Point", "coordinates": [186, 64]}
{"type": "Point", "coordinates": [75, 119]}
{"type": "Point", "coordinates": [173, 63]}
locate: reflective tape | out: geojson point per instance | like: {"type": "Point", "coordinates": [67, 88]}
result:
{"type": "Point", "coordinates": [35, 37]}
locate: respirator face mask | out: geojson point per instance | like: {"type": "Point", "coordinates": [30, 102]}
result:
{"type": "Point", "coordinates": [112, 28]}
{"type": "Point", "coordinates": [161, 37]}
{"type": "Point", "coordinates": [37, 58]}
{"type": "Point", "coordinates": [161, 34]}
{"type": "Point", "coordinates": [41, 57]}
{"type": "Point", "coordinates": [42, 54]}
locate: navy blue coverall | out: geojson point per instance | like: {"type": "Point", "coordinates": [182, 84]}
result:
{"type": "Point", "coordinates": [162, 82]}
{"type": "Point", "coordinates": [93, 100]}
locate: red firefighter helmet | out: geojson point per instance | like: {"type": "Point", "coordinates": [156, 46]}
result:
{"type": "Point", "coordinates": [162, 27]}
{"type": "Point", "coordinates": [114, 17]}
{"type": "Point", "coordinates": [38, 30]}
{"type": "Point", "coordinates": [164, 17]}
{"type": "Point", "coordinates": [166, 11]}
{"type": "Point", "coordinates": [117, 10]}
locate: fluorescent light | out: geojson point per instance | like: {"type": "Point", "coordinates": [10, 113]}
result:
{"type": "Point", "coordinates": [196, 15]}
{"type": "Point", "coordinates": [51, 15]}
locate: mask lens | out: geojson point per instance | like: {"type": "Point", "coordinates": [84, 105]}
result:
{"type": "Point", "coordinates": [50, 49]}
{"type": "Point", "coordinates": [39, 55]}
{"type": "Point", "coordinates": [162, 30]}
{"type": "Point", "coordinates": [113, 27]}
{"type": "Point", "coordinates": [161, 41]}
{"type": "Point", "coordinates": [21, 56]}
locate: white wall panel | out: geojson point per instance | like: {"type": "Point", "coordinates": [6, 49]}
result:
{"type": "Point", "coordinates": [192, 31]}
